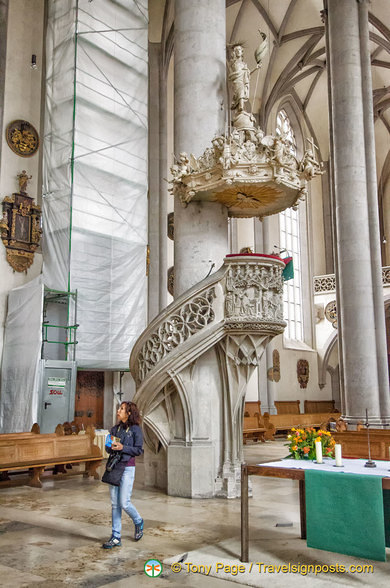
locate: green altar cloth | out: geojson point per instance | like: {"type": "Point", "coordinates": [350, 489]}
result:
{"type": "Point", "coordinates": [386, 504]}
{"type": "Point", "coordinates": [345, 514]}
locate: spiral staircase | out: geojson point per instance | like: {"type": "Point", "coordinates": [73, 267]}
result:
{"type": "Point", "coordinates": [191, 411]}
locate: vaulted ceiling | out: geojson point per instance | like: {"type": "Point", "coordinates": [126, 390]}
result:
{"type": "Point", "coordinates": [294, 68]}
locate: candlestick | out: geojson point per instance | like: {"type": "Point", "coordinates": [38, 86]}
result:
{"type": "Point", "coordinates": [369, 463]}
{"type": "Point", "coordinates": [337, 455]}
{"type": "Point", "coordinates": [318, 452]}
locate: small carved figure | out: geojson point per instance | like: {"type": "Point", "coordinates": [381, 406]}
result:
{"type": "Point", "coordinates": [309, 165]}
{"type": "Point", "coordinates": [229, 304]}
{"type": "Point", "coordinates": [262, 49]}
{"type": "Point", "coordinates": [184, 164]}
{"type": "Point", "coordinates": [4, 222]}
{"type": "Point", "coordinates": [239, 77]}
{"type": "Point", "coordinates": [23, 181]}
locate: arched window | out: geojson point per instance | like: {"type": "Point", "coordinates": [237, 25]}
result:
{"type": "Point", "coordinates": [289, 239]}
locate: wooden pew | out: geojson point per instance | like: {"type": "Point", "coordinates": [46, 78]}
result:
{"type": "Point", "coordinates": [287, 406]}
{"type": "Point", "coordinates": [285, 422]}
{"type": "Point", "coordinates": [354, 443]}
{"type": "Point", "coordinates": [252, 408]}
{"type": "Point", "coordinates": [254, 427]}
{"type": "Point", "coordinates": [35, 452]}
{"type": "Point", "coordinates": [311, 406]}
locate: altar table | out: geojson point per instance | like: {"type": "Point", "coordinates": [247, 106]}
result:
{"type": "Point", "coordinates": [100, 441]}
{"type": "Point", "coordinates": [295, 470]}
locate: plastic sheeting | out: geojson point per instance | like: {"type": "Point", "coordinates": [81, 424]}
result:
{"type": "Point", "coordinates": [95, 171]}
{"type": "Point", "coordinates": [22, 352]}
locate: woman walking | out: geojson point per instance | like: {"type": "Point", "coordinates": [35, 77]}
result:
{"type": "Point", "coordinates": [128, 439]}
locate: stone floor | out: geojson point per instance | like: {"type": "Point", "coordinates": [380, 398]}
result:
{"type": "Point", "coordinates": [52, 537]}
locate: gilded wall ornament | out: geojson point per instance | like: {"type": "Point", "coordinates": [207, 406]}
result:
{"type": "Point", "coordinates": [331, 313]}
{"type": "Point", "coordinates": [20, 226]}
{"type": "Point", "coordinates": [303, 372]}
{"type": "Point", "coordinates": [22, 138]}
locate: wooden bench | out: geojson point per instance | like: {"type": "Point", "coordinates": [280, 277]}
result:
{"type": "Point", "coordinates": [35, 452]}
{"type": "Point", "coordinates": [287, 406]}
{"type": "Point", "coordinates": [252, 408]}
{"type": "Point", "coordinates": [252, 429]}
{"type": "Point", "coordinates": [355, 444]}
{"type": "Point", "coordinates": [285, 422]}
{"type": "Point", "coordinates": [254, 426]}
{"type": "Point", "coordinates": [311, 406]}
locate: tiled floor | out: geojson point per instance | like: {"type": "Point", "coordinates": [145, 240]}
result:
{"type": "Point", "coordinates": [52, 537]}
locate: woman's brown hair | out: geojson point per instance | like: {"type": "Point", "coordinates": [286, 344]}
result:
{"type": "Point", "coordinates": [134, 417]}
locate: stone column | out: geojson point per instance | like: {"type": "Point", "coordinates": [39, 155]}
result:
{"type": "Point", "coordinates": [200, 70]}
{"type": "Point", "coordinates": [155, 271]}
{"type": "Point", "coordinates": [201, 232]}
{"type": "Point", "coordinates": [163, 290]}
{"type": "Point", "coordinates": [357, 283]}
{"type": "Point", "coordinates": [373, 212]}
{"type": "Point", "coordinates": [267, 391]}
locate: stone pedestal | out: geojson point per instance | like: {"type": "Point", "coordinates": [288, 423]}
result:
{"type": "Point", "coordinates": [191, 470]}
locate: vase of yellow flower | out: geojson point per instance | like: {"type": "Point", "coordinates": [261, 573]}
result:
{"type": "Point", "coordinates": [301, 443]}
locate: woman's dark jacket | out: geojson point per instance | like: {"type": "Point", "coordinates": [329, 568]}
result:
{"type": "Point", "coordinates": [131, 439]}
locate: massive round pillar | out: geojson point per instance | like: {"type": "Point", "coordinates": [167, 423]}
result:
{"type": "Point", "coordinates": [201, 228]}
{"type": "Point", "coordinates": [360, 322]}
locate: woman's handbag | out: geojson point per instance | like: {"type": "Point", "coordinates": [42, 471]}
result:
{"type": "Point", "coordinates": [114, 469]}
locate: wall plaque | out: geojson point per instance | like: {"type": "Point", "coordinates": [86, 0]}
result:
{"type": "Point", "coordinates": [22, 138]}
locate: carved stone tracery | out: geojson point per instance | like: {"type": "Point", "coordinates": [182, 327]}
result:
{"type": "Point", "coordinates": [176, 329]}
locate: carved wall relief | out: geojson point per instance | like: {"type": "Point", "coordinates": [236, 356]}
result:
{"type": "Point", "coordinates": [331, 313]}
{"type": "Point", "coordinates": [171, 280]}
{"type": "Point", "coordinates": [171, 226]}
{"type": "Point", "coordinates": [254, 292]}
{"type": "Point", "coordinates": [303, 372]}
{"type": "Point", "coordinates": [273, 373]}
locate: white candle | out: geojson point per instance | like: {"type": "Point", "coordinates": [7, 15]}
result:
{"type": "Point", "coordinates": [337, 454]}
{"type": "Point", "coordinates": [318, 451]}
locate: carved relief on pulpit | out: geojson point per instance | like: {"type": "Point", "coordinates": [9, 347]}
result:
{"type": "Point", "coordinates": [21, 226]}
{"type": "Point", "coordinates": [254, 292]}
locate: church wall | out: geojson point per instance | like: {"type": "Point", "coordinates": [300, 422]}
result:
{"type": "Point", "coordinates": [22, 100]}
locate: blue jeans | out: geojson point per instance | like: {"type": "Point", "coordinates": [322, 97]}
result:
{"type": "Point", "coordinates": [120, 499]}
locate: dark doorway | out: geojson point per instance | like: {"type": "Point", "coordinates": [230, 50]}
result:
{"type": "Point", "coordinates": [89, 399]}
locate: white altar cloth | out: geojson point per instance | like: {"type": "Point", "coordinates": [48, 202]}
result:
{"type": "Point", "coordinates": [351, 466]}
{"type": "Point", "coordinates": [100, 440]}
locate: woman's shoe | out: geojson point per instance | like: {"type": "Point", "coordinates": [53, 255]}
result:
{"type": "Point", "coordinates": [112, 542]}
{"type": "Point", "coordinates": [139, 530]}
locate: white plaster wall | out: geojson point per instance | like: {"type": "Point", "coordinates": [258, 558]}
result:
{"type": "Point", "coordinates": [288, 387]}
{"type": "Point", "coordinates": [22, 100]}
{"type": "Point", "coordinates": [22, 92]}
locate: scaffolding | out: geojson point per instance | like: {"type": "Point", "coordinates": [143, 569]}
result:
{"type": "Point", "coordinates": [95, 173]}
{"type": "Point", "coordinates": [65, 334]}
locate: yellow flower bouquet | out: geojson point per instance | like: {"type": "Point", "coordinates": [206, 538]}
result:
{"type": "Point", "coordinates": [301, 443]}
